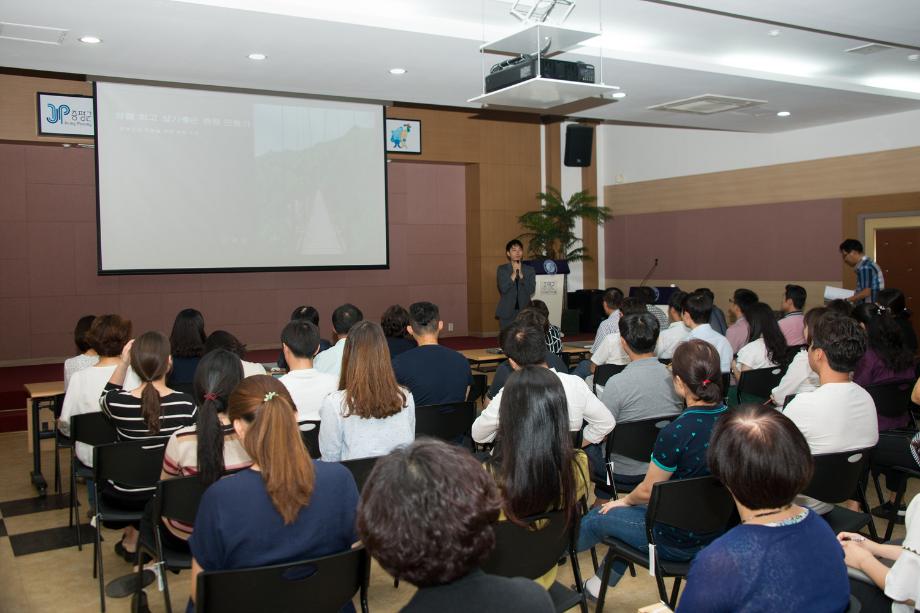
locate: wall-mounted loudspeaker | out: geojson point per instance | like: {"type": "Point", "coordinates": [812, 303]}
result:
{"type": "Point", "coordinates": [578, 141]}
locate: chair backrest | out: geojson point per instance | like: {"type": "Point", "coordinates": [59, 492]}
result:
{"type": "Point", "coordinates": [603, 373]}
{"type": "Point", "coordinates": [636, 439]}
{"type": "Point", "coordinates": [360, 469]}
{"type": "Point", "coordinates": [891, 399]}
{"type": "Point", "coordinates": [178, 499]}
{"type": "Point", "coordinates": [479, 387]}
{"type": "Point", "coordinates": [309, 432]}
{"type": "Point", "coordinates": [665, 361]}
{"type": "Point", "coordinates": [837, 475]}
{"type": "Point", "coordinates": [92, 429]}
{"type": "Point", "coordinates": [133, 464]}
{"type": "Point", "coordinates": [760, 381]}
{"type": "Point", "coordinates": [529, 551]}
{"type": "Point", "coordinates": [321, 585]}
{"type": "Point", "coordinates": [57, 405]}
{"type": "Point", "coordinates": [448, 422]}
{"type": "Point", "coordinates": [700, 504]}
{"type": "Point", "coordinates": [726, 383]}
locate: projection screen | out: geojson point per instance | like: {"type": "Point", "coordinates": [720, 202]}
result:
{"type": "Point", "coordinates": [204, 180]}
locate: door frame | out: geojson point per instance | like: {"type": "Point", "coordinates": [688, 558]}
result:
{"type": "Point", "coordinates": [869, 225]}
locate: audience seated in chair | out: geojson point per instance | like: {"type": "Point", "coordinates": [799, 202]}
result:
{"type": "Point", "coordinates": [887, 359]}
{"type": "Point", "coordinates": [524, 346]}
{"type": "Point", "coordinates": [766, 347]}
{"type": "Point", "coordinates": [187, 341]}
{"type": "Point", "coordinates": [221, 339]}
{"type": "Point", "coordinates": [426, 516]}
{"type": "Point", "coordinates": [370, 414]}
{"type": "Point", "coordinates": [739, 333]}
{"type": "Point", "coordinates": [305, 313]}
{"type": "Point", "coordinates": [210, 448]}
{"type": "Point", "coordinates": [343, 318]}
{"type": "Point", "coordinates": [782, 557]}
{"type": "Point", "coordinates": [151, 412]}
{"type": "Point", "coordinates": [895, 305]}
{"type": "Point", "coordinates": [895, 589]}
{"type": "Point", "coordinates": [285, 507]}
{"type": "Point", "coordinates": [677, 331]}
{"type": "Point", "coordinates": [646, 295]}
{"type": "Point", "coordinates": [86, 355]}
{"type": "Point", "coordinates": [716, 317]}
{"type": "Point", "coordinates": [533, 461]}
{"type": "Point", "coordinates": [679, 453]}
{"type": "Point", "coordinates": [698, 310]}
{"type": "Point", "coordinates": [792, 323]}
{"type": "Point", "coordinates": [799, 377]}
{"type": "Point", "coordinates": [839, 415]}
{"type": "Point", "coordinates": [308, 386]}
{"type": "Point", "coordinates": [528, 316]}
{"type": "Point", "coordinates": [613, 299]}
{"type": "Point", "coordinates": [611, 350]}
{"type": "Point", "coordinates": [553, 333]}
{"type": "Point", "coordinates": [433, 373]}
{"type": "Point", "coordinates": [645, 389]}
{"type": "Point", "coordinates": [395, 324]}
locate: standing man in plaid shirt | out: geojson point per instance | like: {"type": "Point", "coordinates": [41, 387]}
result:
{"type": "Point", "coordinates": [869, 277]}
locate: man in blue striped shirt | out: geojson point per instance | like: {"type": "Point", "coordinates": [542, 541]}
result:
{"type": "Point", "coordinates": [869, 277]}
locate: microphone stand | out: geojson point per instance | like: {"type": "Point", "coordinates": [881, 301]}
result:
{"type": "Point", "coordinates": [649, 273]}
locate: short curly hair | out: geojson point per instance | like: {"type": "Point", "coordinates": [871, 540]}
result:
{"type": "Point", "coordinates": [426, 513]}
{"type": "Point", "coordinates": [108, 335]}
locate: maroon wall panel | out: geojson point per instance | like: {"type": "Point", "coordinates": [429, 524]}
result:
{"type": "Point", "coordinates": [767, 242]}
{"type": "Point", "coordinates": [48, 261]}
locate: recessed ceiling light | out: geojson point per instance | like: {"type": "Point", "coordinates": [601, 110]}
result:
{"type": "Point", "coordinates": [783, 114]}
{"type": "Point", "coordinates": [619, 94]}
{"type": "Point", "coordinates": [774, 32]}
{"type": "Point", "coordinates": [257, 56]}
{"type": "Point", "coordinates": [90, 40]}
{"type": "Point", "coordinates": [397, 71]}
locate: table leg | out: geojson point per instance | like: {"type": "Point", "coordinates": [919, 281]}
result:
{"type": "Point", "coordinates": [38, 480]}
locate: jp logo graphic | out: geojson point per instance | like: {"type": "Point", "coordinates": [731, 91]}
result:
{"type": "Point", "coordinates": [57, 113]}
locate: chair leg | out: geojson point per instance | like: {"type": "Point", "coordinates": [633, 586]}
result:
{"type": "Point", "coordinates": [579, 584]}
{"type": "Point", "coordinates": [893, 518]}
{"type": "Point", "coordinates": [672, 602]}
{"type": "Point", "coordinates": [594, 558]}
{"type": "Point", "coordinates": [139, 589]}
{"type": "Point", "coordinates": [98, 559]}
{"type": "Point", "coordinates": [605, 577]}
{"type": "Point", "coordinates": [57, 468]}
{"type": "Point", "coordinates": [878, 487]}
{"type": "Point", "coordinates": [662, 590]}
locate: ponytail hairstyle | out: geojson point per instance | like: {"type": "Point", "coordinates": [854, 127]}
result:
{"type": "Point", "coordinates": [273, 442]}
{"type": "Point", "coordinates": [697, 364]}
{"type": "Point", "coordinates": [218, 373]}
{"type": "Point", "coordinates": [150, 360]}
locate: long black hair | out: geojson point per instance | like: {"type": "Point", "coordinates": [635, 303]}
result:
{"type": "Point", "coordinates": [763, 324]}
{"type": "Point", "coordinates": [188, 337]}
{"type": "Point", "coordinates": [886, 337]}
{"type": "Point", "coordinates": [532, 460]}
{"type": "Point", "coordinates": [218, 373]}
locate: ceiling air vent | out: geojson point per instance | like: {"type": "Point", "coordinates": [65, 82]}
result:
{"type": "Point", "coordinates": [32, 34]}
{"type": "Point", "coordinates": [707, 104]}
{"type": "Point", "coordinates": [868, 49]}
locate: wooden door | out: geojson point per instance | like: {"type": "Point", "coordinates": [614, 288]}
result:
{"type": "Point", "coordinates": [898, 252]}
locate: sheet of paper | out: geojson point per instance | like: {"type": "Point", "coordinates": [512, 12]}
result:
{"type": "Point", "coordinates": [835, 293]}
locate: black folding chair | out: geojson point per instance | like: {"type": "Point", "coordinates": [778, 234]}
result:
{"type": "Point", "coordinates": [726, 383]}
{"type": "Point", "coordinates": [546, 538]}
{"type": "Point", "coordinates": [759, 382]}
{"type": "Point", "coordinates": [634, 440]}
{"type": "Point", "coordinates": [450, 422]}
{"type": "Point", "coordinates": [90, 429]}
{"type": "Point", "coordinates": [603, 373]}
{"type": "Point", "coordinates": [309, 432]}
{"type": "Point", "coordinates": [839, 477]}
{"type": "Point", "coordinates": [320, 585]}
{"type": "Point", "coordinates": [478, 389]}
{"type": "Point", "coordinates": [892, 400]}
{"type": "Point", "coordinates": [176, 499]}
{"type": "Point", "coordinates": [60, 441]}
{"type": "Point", "coordinates": [132, 465]}
{"type": "Point", "coordinates": [701, 505]}
{"type": "Point", "coordinates": [360, 470]}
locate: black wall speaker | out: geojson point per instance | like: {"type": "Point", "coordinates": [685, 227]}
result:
{"type": "Point", "coordinates": [578, 141]}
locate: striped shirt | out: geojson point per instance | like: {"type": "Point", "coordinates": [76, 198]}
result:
{"type": "Point", "coordinates": [869, 276]}
{"type": "Point", "coordinates": [608, 326]}
{"type": "Point", "coordinates": [177, 410]}
{"type": "Point", "coordinates": [181, 460]}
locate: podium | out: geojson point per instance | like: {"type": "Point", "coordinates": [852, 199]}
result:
{"type": "Point", "coordinates": [551, 286]}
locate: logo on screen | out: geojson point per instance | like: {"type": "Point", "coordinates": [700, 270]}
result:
{"type": "Point", "coordinates": [57, 113]}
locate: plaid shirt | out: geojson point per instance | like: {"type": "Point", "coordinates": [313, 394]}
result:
{"type": "Point", "coordinates": [869, 275]}
{"type": "Point", "coordinates": [608, 326]}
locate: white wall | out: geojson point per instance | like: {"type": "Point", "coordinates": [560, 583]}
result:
{"type": "Point", "coordinates": [635, 153]}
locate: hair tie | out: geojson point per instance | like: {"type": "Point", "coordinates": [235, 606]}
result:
{"type": "Point", "coordinates": [211, 396]}
{"type": "Point", "coordinates": [269, 396]}
{"type": "Point", "coordinates": [706, 382]}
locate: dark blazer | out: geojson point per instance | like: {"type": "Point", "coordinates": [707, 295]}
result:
{"type": "Point", "coordinates": [508, 297]}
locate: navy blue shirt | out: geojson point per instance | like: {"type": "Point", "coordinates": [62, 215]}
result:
{"type": "Point", "coordinates": [238, 527]}
{"type": "Point", "coordinates": [434, 374]}
{"type": "Point", "coordinates": [399, 345]}
{"type": "Point", "coordinates": [796, 567]}
{"type": "Point", "coordinates": [183, 371]}
{"type": "Point", "coordinates": [681, 450]}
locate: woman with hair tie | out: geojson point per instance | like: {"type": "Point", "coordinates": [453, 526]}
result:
{"type": "Point", "coordinates": [283, 508]}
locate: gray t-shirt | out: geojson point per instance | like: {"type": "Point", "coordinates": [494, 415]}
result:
{"type": "Point", "coordinates": [643, 390]}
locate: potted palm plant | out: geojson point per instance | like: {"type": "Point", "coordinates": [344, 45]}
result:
{"type": "Point", "coordinates": [550, 230]}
